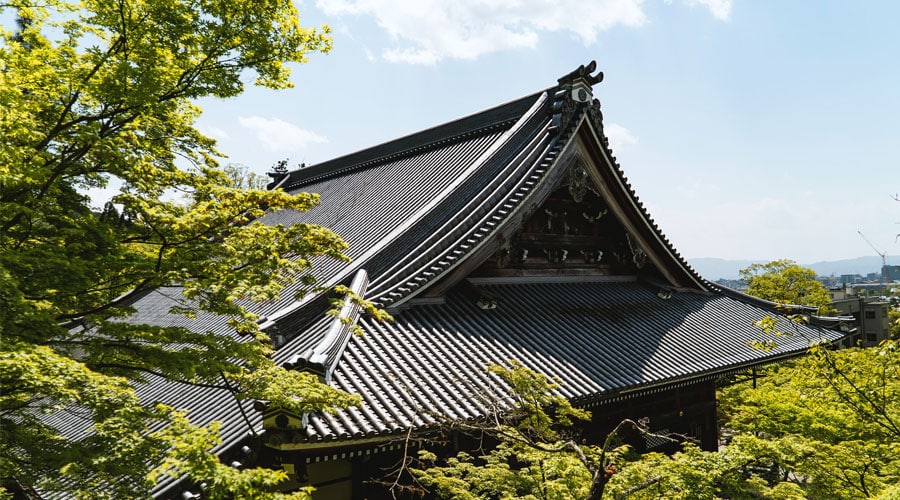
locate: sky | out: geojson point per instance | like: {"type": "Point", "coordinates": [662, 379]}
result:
{"type": "Point", "coordinates": [756, 129]}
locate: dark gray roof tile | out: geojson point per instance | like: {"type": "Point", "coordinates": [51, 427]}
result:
{"type": "Point", "coordinates": [414, 208]}
{"type": "Point", "coordinates": [596, 338]}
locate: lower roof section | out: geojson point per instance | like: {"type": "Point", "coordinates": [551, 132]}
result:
{"type": "Point", "coordinates": [597, 339]}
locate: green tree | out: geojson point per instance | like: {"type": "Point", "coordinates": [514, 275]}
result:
{"type": "Point", "coordinates": [825, 426]}
{"type": "Point", "coordinates": [842, 408]}
{"type": "Point", "coordinates": [242, 177]}
{"type": "Point", "coordinates": [541, 455]}
{"type": "Point", "coordinates": [748, 468]}
{"type": "Point", "coordinates": [894, 319]}
{"type": "Point", "coordinates": [785, 282]}
{"type": "Point", "coordinates": [97, 91]}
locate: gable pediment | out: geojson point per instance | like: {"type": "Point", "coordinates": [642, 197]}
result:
{"type": "Point", "coordinates": [572, 232]}
{"type": "Point", "coordinates": [558, 204]}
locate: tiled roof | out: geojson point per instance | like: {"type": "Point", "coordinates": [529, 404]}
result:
{"type": "Point", "coordinates": [599, 339]}
{"type": "Point", "coordinates": [498, 118]}
{"type": "Point", "coordinates": [415, 212]}
{"type": "Point", "coordinates": [387, 196]}
{"type": "Point", "coordinates": [367, 196]}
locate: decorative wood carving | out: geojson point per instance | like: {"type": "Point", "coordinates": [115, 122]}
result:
{"type": "Point", "coordinates": [575, 91]}
{"type": "Point", "coordinates": [583, 74]}
{"type": "Point", "coordinates": [637, 255]}
{"type": "Point", "coordinates": [572, 232]}
{"type": "Point", "coordinates": [578, 183]}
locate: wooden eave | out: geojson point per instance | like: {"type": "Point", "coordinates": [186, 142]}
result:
{"type": "Point", "coordinates": [580, 144]}
{"type": "Point", "coordinates": [630, 212]}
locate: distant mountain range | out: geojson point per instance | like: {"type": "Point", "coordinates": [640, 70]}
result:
{"type": "Point", "coordinates": [714, 269]}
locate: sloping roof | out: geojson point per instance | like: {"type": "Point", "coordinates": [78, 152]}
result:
{"type": "Point", "coordinates": [394, 193]}
{"type": "Point", "coordinates": [600, 339]}
{"type": "Point", "coordinates": [601, 336]}
{"type": "Point", "coordinates": [419, 214]}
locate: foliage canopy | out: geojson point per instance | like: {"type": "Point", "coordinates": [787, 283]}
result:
{"type": "Point", "coordinates": [537, 457]}
{"type": "Point", "coordinates": [786, 282]}
{"type": "Point", "coordinates": [824, 426]}
{"type": "Point", "coordinates": [841, 408]}
{"type": "Point", "coordinates": [99, 93]}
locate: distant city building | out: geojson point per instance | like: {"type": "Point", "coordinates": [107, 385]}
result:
{"type": "Point", "coordinates": [838, 293]}
{"type": "Point", "coordinates": [829, 281]}
{"type": "Point", "coordinates": [849, 279]}
{"type": "Point", "coordinates": [870, 315]}
{"type": "Point", "coordinates": [892, 273]}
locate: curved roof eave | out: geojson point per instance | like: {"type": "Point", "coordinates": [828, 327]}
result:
{"type": "Point", "coordinates": [382, 248]}
{"type": "Point", "coordinates": [581, 134]}
{"type": "Point", "coordinates": [610, 178]}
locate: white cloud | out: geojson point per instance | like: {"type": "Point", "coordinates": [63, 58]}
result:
{"type": "Point", "coordinates": [278, 135]}
{"type": "Point", "coordinates": [720, 9]}
{"type": "Point", "coordinates": [698, 189]}
{"type": "Point", "coordinates": [213, 131]}
{"type": "Point", "coordinates": [427, 31]}
{"type": "Point", "coordinates": [411, 55]}
{"type": "Point", "coordinates": [619, 136]}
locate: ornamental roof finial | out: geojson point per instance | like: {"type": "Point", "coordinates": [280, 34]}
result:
{"type": "Point", "coordinates": [574, 93]}
{"type": "Point", "coordinates": [583, 75]}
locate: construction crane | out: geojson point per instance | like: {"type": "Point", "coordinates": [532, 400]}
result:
{"type": "Point", "coordinates": [880, 254]}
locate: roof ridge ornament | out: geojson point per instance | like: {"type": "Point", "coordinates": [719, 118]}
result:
{"type": "Point", "coordinates": [583, 74]}
{"type": "Point", "coordinates": [575, 90]}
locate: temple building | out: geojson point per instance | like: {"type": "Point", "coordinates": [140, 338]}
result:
{"type": "Point", "coordinates": [509, 234]}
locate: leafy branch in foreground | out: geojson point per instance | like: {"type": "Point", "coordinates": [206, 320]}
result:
{"type": "Point", "coordinates": [538, 453]}
{"type": "Point", "coordinates": [785, 282]}
{"type": "Point", "coordinates": [842, 406]}
{"type": "Point", "coordinates": [192, 456]}
{"type": "Point", "coordinates": [823, 426]}
{"type": "Point", "coordinates": [101, 94]}
{"type": "Point", "coordinates": [788, 285]}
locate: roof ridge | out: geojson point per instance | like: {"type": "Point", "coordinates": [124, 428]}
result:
{"type": "Point", "coordinates": [775, 307]}
{"type": "Point", "coordinates": [535, 102]}
{"type": "Point", "coordinates": [460, 129]}
{"type": "Point", "coordinates": [462, 240]}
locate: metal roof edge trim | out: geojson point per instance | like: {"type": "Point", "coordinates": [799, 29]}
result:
{"type": "Point", "coordinates": [476, 165]}
{"type": "Point", "coordinates": [484, 224]}
{"type": "Point", "coordinates": [324, 356]}
{"type": "Point", "coordinates": [654, 387]}
{"type": "Point", "coordinates": [775, 307]}
{"type": "Point", "coordinates": [563, 143]}
{"type": "Point", "coordinates": [279, 184]}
